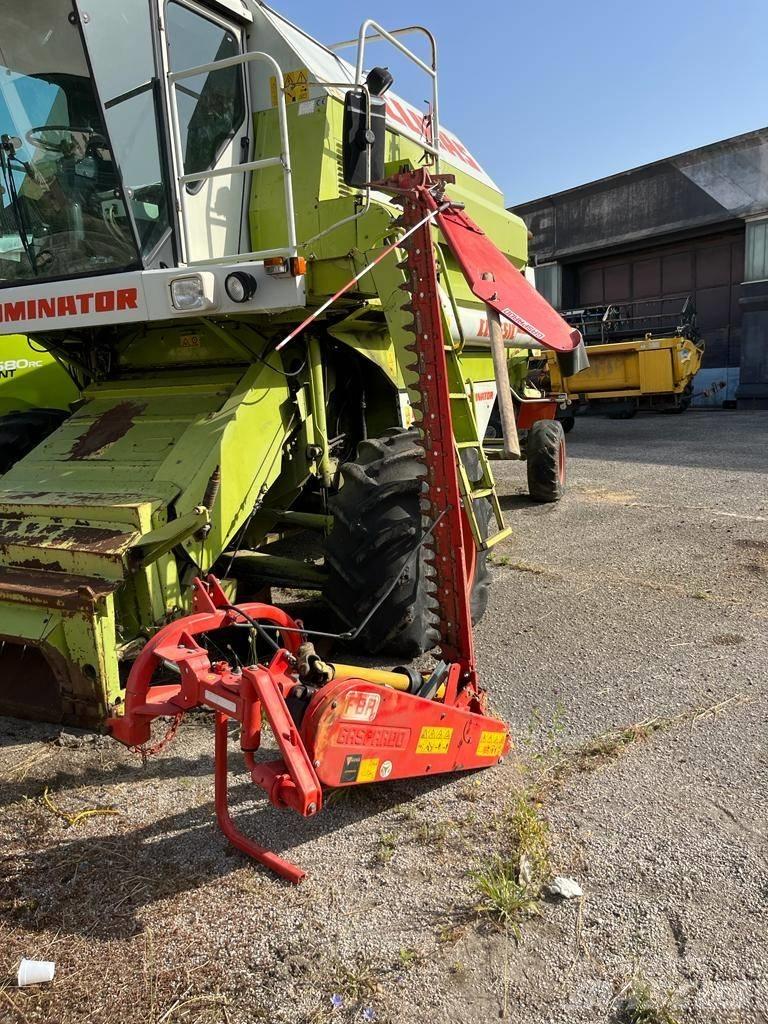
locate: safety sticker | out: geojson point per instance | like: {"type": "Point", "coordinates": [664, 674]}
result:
{"type": "Point", "coordinates": [351, 767]}
{"type": "Point", "coordinates": [491, 744]}
{"type": "Point", "coordinates": [368, 769]}
{"type": "Point", "coordinates": [434, 739]}
{"type": "Point", "coordinates": [296, 86]}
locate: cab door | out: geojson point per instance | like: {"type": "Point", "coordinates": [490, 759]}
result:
{"type": "Point", "coordinates": [210, 126]}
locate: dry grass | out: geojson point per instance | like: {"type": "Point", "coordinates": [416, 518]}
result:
{"type": "Point", "coordinates": [508, 563]}
{"type": "Point", "coordinates": [598, 751]}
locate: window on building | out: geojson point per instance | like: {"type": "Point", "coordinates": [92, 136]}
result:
{"type": "Point", "coordinates": [549, 278]}
{"type": "Point", "coordinates": [757, 250]}
{"type": "Point", "coordinates": [212, 105]}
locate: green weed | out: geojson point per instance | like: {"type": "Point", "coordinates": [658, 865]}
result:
{"type": "Point", "coordinates": [510, 885]}
{"type": "Point", "coordinates": [637, 1005]}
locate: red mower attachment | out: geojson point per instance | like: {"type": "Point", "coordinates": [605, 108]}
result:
{"type": "Point", "coordinates": [335, 725]}
{"type": "Point", "coordinates": [340, 725]}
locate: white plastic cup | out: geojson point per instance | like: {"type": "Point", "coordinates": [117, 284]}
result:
{"type": "Point", "coordinates": [35, 972]}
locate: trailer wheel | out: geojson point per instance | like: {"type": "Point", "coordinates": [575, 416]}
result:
{"type": "Point", "coordinates": [22, 431]}
{"type": "Point", "coordinates": [545, 456]}
{"type": "Point", "coordinates": [377, 523]}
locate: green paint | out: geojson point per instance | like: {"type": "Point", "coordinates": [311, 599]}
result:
{"type": "Point", "coordinates": [30, 377]}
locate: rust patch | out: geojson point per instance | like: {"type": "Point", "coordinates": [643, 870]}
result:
{"type": "Point", "coordinates": [99, 540]}
{"type": "Point", "coordinates": [40, 696]}
{"type": "Point", "coordinates": [93, 538]}
{"type": "Point", "coordinates": [61, 591]}
{"type": "Point", "coordinates": [35, 563]}
{"type": "Point", "coordinates": [108, 428]}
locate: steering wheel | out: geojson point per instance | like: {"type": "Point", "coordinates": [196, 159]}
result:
{"type": "Point", "coordinates": [73, 140]}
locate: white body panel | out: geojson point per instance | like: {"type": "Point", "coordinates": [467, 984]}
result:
{"type": "Point", "coordinates": [135, 297]}
{"type": "Point", "coordinates": [485, 392]}
{"type": "Point", "coordinates": [474, 328]}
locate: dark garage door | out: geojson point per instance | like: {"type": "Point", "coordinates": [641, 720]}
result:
{"type": "Point", "coordinates": [709, 269]}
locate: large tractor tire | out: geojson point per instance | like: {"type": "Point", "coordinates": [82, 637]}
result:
{"type": "Point", "coordinates": [377, 524]}
{"type": "Point", "coordinates": [545, 457]}
{"type": "Point", "coordinates": [22, 431]}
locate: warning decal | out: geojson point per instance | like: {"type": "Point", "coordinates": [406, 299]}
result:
{"type": "Point", "coordinates": [369, 766]}
{"type": "Point", "coordinates": [434, 739]}
{"type": "Point", "coordinates": [491, 744]}
{"type": "Point", "coordinates": [296, 86]}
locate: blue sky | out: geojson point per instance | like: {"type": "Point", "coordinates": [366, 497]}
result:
{"type": "Point", "coordinates": [550, 94]}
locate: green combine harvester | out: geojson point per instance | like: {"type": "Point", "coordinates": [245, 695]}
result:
{"type": "Point", "coordinates": [36, 394]}
{"type": "Point", "coordinates": [172, 211]}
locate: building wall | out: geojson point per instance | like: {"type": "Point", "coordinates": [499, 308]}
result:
{"type": "Point", "coordinates": [674, 226]}
{"type": "Point", "coordinates": [708, 269]}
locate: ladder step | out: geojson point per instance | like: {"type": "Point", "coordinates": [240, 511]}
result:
{"type": "Point", "coordinates": [483, 492]}
{"type": "Point", "coordinates": [501, 535]}
{"type": "Point", "coordinates": [467, 444]}
{"type": "Point", "coordinates": [459, 394]}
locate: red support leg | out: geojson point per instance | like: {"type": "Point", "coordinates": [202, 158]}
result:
{"type": "Point", "coordinates": [266, 857]}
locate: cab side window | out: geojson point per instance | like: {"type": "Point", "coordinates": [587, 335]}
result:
{"type": "Point", "coordinates": [211, 105]}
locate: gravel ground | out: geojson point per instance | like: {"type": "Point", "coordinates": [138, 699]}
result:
{"type": "Point", "coordinates": [641, 598]}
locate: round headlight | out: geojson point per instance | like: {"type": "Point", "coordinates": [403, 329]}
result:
{"type": "Point", "coordinates": [240, 286]}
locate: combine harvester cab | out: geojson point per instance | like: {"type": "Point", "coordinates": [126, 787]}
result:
{"type": "Point", "coordinates": [175, 211]}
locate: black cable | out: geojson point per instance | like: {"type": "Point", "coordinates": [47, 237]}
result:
{"type": "Point", "coordinates": [349, 634]}
{"type": "Point", "coordinates": [284, 373]}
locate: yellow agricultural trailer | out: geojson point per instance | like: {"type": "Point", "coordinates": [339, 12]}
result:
{"type": "Point", "coordinates": [636, 360]}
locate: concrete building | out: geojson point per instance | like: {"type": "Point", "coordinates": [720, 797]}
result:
{"type": "Point", "coordinates": [694, 224]}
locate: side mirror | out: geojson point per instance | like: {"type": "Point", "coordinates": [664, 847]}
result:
{"type": "Point", "coordinates": [363, 147]}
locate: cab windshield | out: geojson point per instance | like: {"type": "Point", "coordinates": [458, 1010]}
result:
{"type": "Point", "coordinates": [62, 211]}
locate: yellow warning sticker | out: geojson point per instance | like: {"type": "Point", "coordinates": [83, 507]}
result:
{"type": "Point", "coordinates": [296, 86]}
{"type": "Point", "coordinates": [368, 768]}
{"type": "Point", "coordinates": [434, 739]}
{"type": "Point", "coordinates": [491, 744]}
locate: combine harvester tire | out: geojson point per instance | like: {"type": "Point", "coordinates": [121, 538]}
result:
{"type": "Point", "coordinates": [377, 525]}
{"type": "Point", "coordinates": [545, 457]}
{"type": "Point", "coordinates": [22, 431]}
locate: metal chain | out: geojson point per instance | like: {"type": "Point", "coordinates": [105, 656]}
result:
{"type": "Point", "coordinates": [146, 752]}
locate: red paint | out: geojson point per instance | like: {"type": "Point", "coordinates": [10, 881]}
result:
{"type": "Point", "coordinates": [59, 306]}
{"type": "Point", "coordinates": [528, 412]}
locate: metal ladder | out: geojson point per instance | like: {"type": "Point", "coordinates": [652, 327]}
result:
{"type": "Point", "coordinates": [465, 436]}
{"type": "Point", "coordinates": [283, 160]}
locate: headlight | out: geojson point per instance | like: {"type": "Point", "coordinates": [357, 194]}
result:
{"type": "Point", "coordinates": [240, 286]}
{"type": "Point", "coordinates": [194, 293]}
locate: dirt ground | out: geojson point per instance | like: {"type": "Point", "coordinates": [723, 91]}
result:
{"type": "Point", "coordinates": [626, 643]}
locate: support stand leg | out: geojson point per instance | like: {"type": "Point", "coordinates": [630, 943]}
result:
{"type": "Point", "coordinates": [270, 860]}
